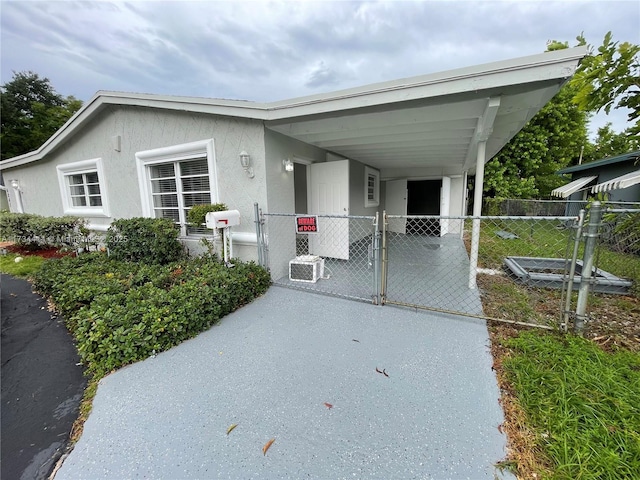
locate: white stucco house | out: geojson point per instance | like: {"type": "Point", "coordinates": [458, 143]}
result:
{"type": "Point", "coordinates": [356, 151]}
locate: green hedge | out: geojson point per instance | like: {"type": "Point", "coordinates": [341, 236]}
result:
{"type": "Point", "coordinates": [120, 312]}
{"type": "Point", "coordinates": [198, 213]}
{"type": "Point", "coordinates": [147, 240]}
{"type": "Point", "coordinates": [35, 231]}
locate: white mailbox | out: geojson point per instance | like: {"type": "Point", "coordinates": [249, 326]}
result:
{"type": "Point", "coordinates": [224, 219]}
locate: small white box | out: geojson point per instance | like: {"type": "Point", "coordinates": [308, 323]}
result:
{"type": "Point", "coordinates": [306, 268]}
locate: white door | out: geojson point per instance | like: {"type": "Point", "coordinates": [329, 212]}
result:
{"type": "Point", "coordinates": [329, 195]}
{"type": "Point", "coordinates": [445, 205]}
{"type": "Point", "coordinates": [396, 204]}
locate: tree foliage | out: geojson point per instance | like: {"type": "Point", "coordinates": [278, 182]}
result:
{"type": "Point", "coordinates": [610, 79]}
{"type": "Point", "coordinates": [609, 144]}
{"type": "Point", "coordinates": [526, 167]}
{"type": "Point", "coordinates": [32, 111]}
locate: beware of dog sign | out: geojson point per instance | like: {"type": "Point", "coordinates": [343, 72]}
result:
{"type": "Point", "coordinates": [307, 224]}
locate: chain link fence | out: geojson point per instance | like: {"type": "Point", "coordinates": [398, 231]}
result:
{"type": "Point", "coordinates": [340, 259]}
{"type": "Point", "coordinates": [519, 269]}
{"type": "Point", "coordinates": [618, 246]}
{"type": "Point", "coordinates": [512, 207]}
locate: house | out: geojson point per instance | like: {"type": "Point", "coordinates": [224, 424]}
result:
{"type": "Point", "coordinates": [618, 177]}
{"type": "Point", "coordinates": [351, 152]}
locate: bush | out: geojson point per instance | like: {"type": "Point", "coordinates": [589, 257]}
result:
{"type": "Point", "coordinates": [35, 231]}
{"type": "Point", "coordinates": [197, 214]}
{"type": "Point", "coordinates": [146, 240]}
{"type": "Point", "coordinates": [120, 312]}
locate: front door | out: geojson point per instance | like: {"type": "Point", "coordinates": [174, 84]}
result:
{"type": "Point", "coordinates": [329, 195]}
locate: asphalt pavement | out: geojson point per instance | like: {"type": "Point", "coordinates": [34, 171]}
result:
{"type": "Point", "coordinates": [42, 383]}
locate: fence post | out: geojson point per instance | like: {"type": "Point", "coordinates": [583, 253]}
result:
{"type": "Point", "coordinates": [572, 270]}
{"type": "Point", "coordinates": [256, 215]}
{"type": "Point", "coordinates": [383, 273]}
{"type": "Point", "coordinates": [595, 217]}
{"type": "Point", "coordinates": [473, 257]}
{"type": "Point", "coordinates": [376, 260]}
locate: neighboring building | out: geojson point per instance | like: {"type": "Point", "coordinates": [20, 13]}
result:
{"type": "Point", "coordinates": [356, 151]}
{"type": "Point", "coordinates": [618, 177]}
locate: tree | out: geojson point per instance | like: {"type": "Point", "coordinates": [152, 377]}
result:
{"type": "Point", "coordinates": [31, 112]}
{"type": "Point", "coordinates": [526, 167]}
{"type": "Point", "coordinates": [610, 79]}
{"type": "Point", "coordinates": [609, 144]}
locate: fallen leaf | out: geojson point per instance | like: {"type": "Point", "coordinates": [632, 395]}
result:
{"type": "Point", "coordinates": [354, 340]}
{"type": "Point", "coordinates": [267, 445]}
{"type": "Point", "coordinates": [378, 370]}
{"type": "Point", "coordinates": [384, 372]}
{"type": "Point", "coordinates": [328, 405]}
{"type": "Point", "coordinates": [230, 429]}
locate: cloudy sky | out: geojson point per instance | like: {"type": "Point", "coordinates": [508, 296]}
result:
{"type": "Point", "coordinates": [264, 51]}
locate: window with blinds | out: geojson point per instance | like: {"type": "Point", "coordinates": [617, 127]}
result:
{"type": "Point", "coordinates": [177, 186]}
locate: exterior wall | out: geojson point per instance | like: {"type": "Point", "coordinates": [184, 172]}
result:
{"type": "Point", "coordinates": [357, 190]}
{"type": "Point", "coordinates": [144, 129]}
{"type": "Point", "coordinates": [281, 191]}
{"type": "Point", "coordinates": [356, 199]}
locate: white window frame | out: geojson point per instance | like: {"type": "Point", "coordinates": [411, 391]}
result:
{"type": "Point", "coordinates": [172, 154]}
{"type": "Point", "coordinates": [93, 165]}
{"type": "Point", "coordinates": [368, 173]}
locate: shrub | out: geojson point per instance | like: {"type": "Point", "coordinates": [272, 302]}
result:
{"type": "Point", "coordinates": [36, 231]}
{"type": "Point", "coordinates": [197, 214]}
{"type": "Point", "coordinates": [147, 240]}
{"type": "Point", "coordinates": [120, 312]}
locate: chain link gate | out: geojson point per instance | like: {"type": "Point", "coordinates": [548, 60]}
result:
{"type": "Point", "coordinates": [522, 263]}
{"type": "Point", "coordinates": [348, 247]}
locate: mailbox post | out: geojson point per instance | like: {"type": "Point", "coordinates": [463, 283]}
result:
{"type": "Point", "coordinates": [224, 220]}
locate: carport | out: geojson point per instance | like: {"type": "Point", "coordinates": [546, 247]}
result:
{"type": "Point", "coordinates": [443, 126]}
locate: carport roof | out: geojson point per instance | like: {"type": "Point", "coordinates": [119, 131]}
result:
{"type": "Point", "coordinates": [430, 124]}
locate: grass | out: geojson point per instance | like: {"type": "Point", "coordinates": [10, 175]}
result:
{"type": "Point", "coordinates": [548, 239]}
{"type": "Point", "coordinates": [581, 406]}
{"type": "Point", "coordinates": [24, 269]}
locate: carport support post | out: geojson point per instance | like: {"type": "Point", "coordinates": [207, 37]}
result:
{"type": "Point", "coordinates": [477, 211]}
{"type": "Point", "coordinates": [595, 216]}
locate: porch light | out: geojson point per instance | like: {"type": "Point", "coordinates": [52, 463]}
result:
{"type": "Point", "coordinates": [245, 161]}
{"type": "Point", "coordinates": [288, 165]}
{"type": "Point", "coordinates": [15, 184]}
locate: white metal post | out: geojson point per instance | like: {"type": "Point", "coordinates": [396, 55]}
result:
{"type": "Point", "coordinates": [477, 211]}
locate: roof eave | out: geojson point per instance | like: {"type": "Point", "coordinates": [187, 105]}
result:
{"type": "Point", "coordinates": [558, 65]}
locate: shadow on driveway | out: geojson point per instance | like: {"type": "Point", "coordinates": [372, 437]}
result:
{"type": "Point", "coordinates": [42, 385]}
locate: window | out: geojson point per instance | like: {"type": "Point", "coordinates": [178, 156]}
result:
{"type": "Point", "coordinates": [371, 187]}
{"type": "Point", "coordinates": [174, 179]}
{"type": "Point", "coordinates": [81, 188]}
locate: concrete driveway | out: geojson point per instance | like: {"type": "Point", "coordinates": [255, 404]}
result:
{"type": "Point", "coordinates": [271, 366]}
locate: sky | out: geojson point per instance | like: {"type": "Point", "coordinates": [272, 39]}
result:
{"type": "Point", "coordinates": [275, 50]}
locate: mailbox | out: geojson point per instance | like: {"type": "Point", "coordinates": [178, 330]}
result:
{"type": "Point", "coordinates": [224, 219]}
